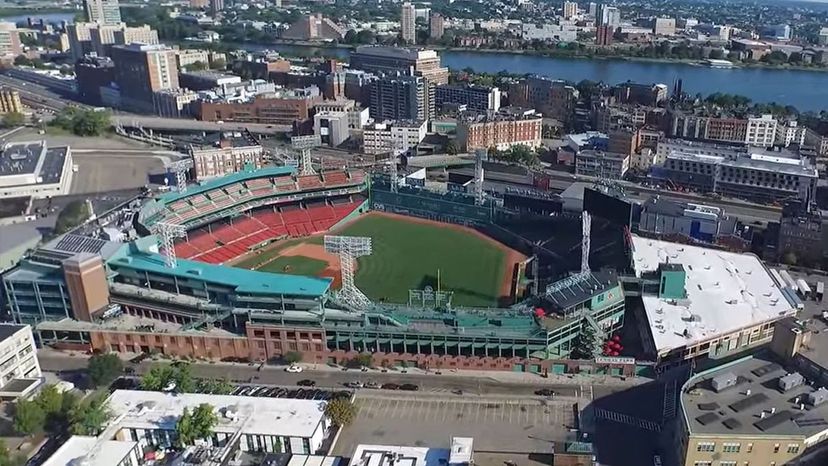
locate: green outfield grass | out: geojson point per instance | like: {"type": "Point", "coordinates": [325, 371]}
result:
{"type": "Point", "coordinates": [408, 255]}
{"type": "Point", "coordinates": [298, 265]}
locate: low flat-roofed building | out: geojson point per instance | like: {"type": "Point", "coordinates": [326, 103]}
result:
{"type": "Point", "coordinates": [34, 169]}
{"type": "Point", "coordinates": [265, 424]}
{"type": "Point", "coordinates": [668, 218]}
{"type": "Point", "coordinates": [231, 152]}
{"type": "Point", "coordinates": [397, 455]}
{"type": "Point", "coordinates": [755, 410]}
{"type": "Point", "coordinates": [91, 451]}
{"type": "Point", "coordinates": [701, 301]}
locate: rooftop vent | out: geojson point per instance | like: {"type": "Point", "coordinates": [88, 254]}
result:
{"type": "Point", "coordinates": [789, 381]}
{"type": "Point", "coordinates": [723, 381]}
{"type": "Point", "coordinates": [818, 397]}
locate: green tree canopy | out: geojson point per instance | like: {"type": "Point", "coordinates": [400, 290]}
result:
{"type": "Point", "coordinates": [74, 214]}
{"type": "Point", "coordinates": [90, 415]}
{"type": "Point", "coordinates": [13, 120]}
{"type": "Point", "coordinates": [196, 425]}
{"type": "Point", "coordinates": [292, 357]}
{"type": "Point", "coordinates": [162, 376]}
{"type": "Point", "coordinates": [8, 458]}
{"type": "Point", "coordinates": [29, 417]}
{"type": "Point", "coordinates": [341, 411]}
{"type": "Point", "coordinates": [104, 368]}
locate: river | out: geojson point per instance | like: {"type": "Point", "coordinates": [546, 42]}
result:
{"type": "Point", "coordinates": [805, 90]}
{"type": "Point", "coordinates": [56, 18]}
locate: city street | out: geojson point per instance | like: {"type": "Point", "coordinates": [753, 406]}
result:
{"type": "Point", "coordinates": [478, 383]}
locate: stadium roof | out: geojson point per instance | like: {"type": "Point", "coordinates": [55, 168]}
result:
{"type": "Point", "coordinates": [725, 291]}
{"type": "Point", "coordinates": [224, 181]}
{"type": "Point", "coordinates": [136, 257]}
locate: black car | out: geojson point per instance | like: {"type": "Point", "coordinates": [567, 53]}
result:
{"type": "Point", "coordinates": [129, 370]}
{"type": "Point", "coordinates": [409, 387]}
{"type": "Point", "coordinates": [306, 383]}
{"type": "Point", "coordinates": [545, 392]}
{"type": "Point", "coordinates": [390, 386]}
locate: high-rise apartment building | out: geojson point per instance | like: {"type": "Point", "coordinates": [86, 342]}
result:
{"type": "Point", "coordinates": [216, 6]}
{"type": "Point", "coordinates": [103, 11]}
{"type": "Point", "coordinates": [608, 16]}
{"type": "Point", "coordinates": [141, 70]}
{"type": "Point", "coordinates": [402, 98]}
{"type": "Point", "coordinates": [408, 29]}
{"type": "Point", "coordinates": [437, 26]}
{"type": "Point", "coordinates": [478, 98]}
{"type": "Point", "coordinates": [410, 61]}
{"type": "Point", "coordinates": [86, 38]}
{"type": "Point", "coordinates": [10, 40]}
{"type": "Point", "coordinates": [10, 101]}
{"type": "Point", "coordinates": [570, 10]}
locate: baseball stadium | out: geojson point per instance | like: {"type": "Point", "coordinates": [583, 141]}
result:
{"type": "Point", "coordinates": [263, 262]}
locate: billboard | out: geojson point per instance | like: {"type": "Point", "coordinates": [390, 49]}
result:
{"type": "Point", "coordinates": [615, 210]}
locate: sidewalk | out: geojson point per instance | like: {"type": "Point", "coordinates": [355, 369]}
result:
{"type": "Point", "coordinates": [504, 377]}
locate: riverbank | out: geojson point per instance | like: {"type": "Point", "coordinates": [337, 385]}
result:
{"type": "Point", "coordinates": [552, 54]}
{"type": "Point", "coordinates": [34, 12]}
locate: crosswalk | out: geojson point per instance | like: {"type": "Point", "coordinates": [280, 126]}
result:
{"type": "Point", "coordinates": [627, 419]}
{"type": "Point", "coordinates": [669, 411]}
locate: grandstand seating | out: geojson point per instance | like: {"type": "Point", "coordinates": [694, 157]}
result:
{"type": "Point", "coordinates": [226, 240]}
{"type": "Point", "coordinates": [335, 178]}
{"type": "Point", "coordinates": [309, 182]}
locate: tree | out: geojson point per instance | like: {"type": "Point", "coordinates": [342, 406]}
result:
{"type": "Point", "coordinates": [587, 344]}
{"type": "Point", "coordinates": [7, 458]}
{"type": "Point", "coordinates": [196, 425]}
{"type": "Point", "coordinates": [104, 368]}
{"type": "Point", "coordinates": [361, 360]}
{"type": "Point", "coordinates": [789, 258]}
{"type": "Point", "coordinates": [197, 66]}
{"type": "Point", "coordinates": [50, 400]}
{"type": "Point", "coordinates": [157, 378]}
{"type": "Point", "coordinates": [451, 148]}
{"type": "Point", "coordinates": [218, 64]}
{"type": "Point", "coordinates": [13, 120]}
{"type": "Point", "coordinates": [29, 417]}
{"type": "Point", "coordinates": [292, 357]}
{"type": "Point", "coordinates": [90, 415]}
{"type": "Point", "coordinates": [74, 214]}
{"type": "Point", "coordinates": [341, 411]}
{"type": "Point", "coordinates": [214, 387]}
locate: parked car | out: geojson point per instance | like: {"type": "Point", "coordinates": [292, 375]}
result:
{"type": "Point", "coordinates": [390, 386]}
{"type": "Point", "coordinates": [354, 384]}
{"type": "Point", "coordinates": [371, 385]}
{"type": "Point", "coordinates": [545, 392]}
{"type": "Point", "coordinates": [410, 387]}
{"type": "Point", "coordinates": [293, 369]}
{"type": "Point", "coordinates": [306, 383]}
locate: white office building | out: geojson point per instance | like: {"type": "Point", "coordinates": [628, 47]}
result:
{"type": "Point", "coordinates": [331, 127]}
{"type": "Point", "coordinates": [268, 425]}
{"type": "Point", "coordinates": [401, 136]}
{"type": "Point", "coordinates": [20, 371]}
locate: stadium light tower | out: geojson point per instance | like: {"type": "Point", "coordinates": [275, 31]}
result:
{"type": "Point", "coordinates": [167, 233]}
{"type": "Point", "coordinates": [397, 148]}
{"type": "Point", "coordinates": [586, 226]}
{"type": "Point", "coordinates": [304, 144]}
{"type": "Point", "coordinates": [180, 167]}
{"type": "Point", "coordinates": [349, 248]}
{"type": "Point", "coordinates": [480, 156]}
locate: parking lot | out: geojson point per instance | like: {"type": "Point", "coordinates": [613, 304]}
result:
{"type": "Point", "coordinates": [283, 392]}
{"type": "Point", "coordinates": [496, 424]}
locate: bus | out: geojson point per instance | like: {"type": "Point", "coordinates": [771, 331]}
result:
{"type": "Point", "coordinates": [804, 289]}
{"type": "Point", "coordinates": [788, 280]}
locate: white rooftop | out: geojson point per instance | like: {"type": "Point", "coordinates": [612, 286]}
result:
{"type": "Point", "coordinates": [461, 450]}
{"type": "Point", "coordinates": [395, 455]}
{"type": "Point", "coordinates": [257, 415]}
{"type": "Point", "coordinates": [78, 449]}
{"type": "Point", "coordinates": [725, 292]}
